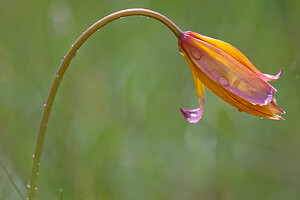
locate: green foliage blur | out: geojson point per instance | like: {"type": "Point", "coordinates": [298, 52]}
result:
{"type": "Point", "coordinates": [116, 132]}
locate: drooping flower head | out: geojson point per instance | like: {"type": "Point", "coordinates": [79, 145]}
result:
{"type": "Point", "coordinates": [227, 72]}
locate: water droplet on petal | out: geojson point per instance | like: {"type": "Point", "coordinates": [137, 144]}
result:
{"type": "Point", "coordinates": [180, 52]}
{"type": "Point", "coordinates": [223, 81]}
{"type": "Point", "coordinates": [252, 103]}
{"type": "Point", "coordinates": [196, 53]}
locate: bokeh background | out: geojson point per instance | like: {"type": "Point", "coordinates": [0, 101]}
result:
{"type": "Point", "coordinates": [116, 131]}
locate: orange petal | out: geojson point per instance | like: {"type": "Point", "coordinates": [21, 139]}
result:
{"type": "Point", "coordinates": [236, 54]}
{"type": "Point", "coordinates": [267, 111]}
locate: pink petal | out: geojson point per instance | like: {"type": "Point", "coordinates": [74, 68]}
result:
{"type": "Point", "coordinates": [268, 77]}
{"type": "Point", "coordinates": [192, 116]}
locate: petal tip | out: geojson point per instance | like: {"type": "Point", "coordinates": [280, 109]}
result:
{"type": "Point", "coordinates": [272, 77]}
{"type": "Point", "coordinates": [279, 118]}
{"type": "Point", "coordinates": [192, 116]}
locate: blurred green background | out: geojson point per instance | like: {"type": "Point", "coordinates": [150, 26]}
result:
{"type": "Point", "coordinates": [116, 131]}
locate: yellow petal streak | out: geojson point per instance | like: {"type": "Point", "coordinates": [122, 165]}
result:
{"type": "Point", "coordinates": [199, 89]}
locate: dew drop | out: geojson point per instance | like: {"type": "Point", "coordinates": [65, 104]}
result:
{"type": "Point", "coordinates": [57, 75]}
{"type": "Point", "coordinates": [33, 155]}
{"type": "Point", "coordinates": [28, 185]}
{"type": "Point", "coordinates": [196, 53]}
{"type": "Point", "coordinates": [35, 188]}
{"type": "Point", "coordinates": [261, 118]}
{"type": "Point", "coordinates": [223, 81]}
{"type": "Point", "coordinates": [253, 103]}
{"type": "Point", "coordinates": [180, 52]}
{"type": "Point", "coordinates": [122, 17]}
{"type": "Point", "coordinates": [192, 116]}
{"type": "Point", "coordinates": [147, 17]}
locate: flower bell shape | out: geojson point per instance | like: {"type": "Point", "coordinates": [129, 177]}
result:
{"type": "Point", "coordinates": [227, 72]}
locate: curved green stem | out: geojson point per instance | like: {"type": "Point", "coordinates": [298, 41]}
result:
{"type": "Point", "coordinates": [32, 186]}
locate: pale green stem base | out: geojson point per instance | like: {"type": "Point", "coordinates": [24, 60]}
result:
{"type": "Point", "coordinates": [32, 187]}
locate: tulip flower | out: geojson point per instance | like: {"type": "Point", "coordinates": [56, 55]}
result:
{"type": "Point", "coordinates": [227, 72]}
{"type": "Point", "coordinates": [215, 64]}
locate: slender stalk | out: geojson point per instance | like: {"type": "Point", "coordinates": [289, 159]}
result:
{"type": "Point", "coordinates": [32, 186]}
{"type": "Point", "coordinates": [12, 181]}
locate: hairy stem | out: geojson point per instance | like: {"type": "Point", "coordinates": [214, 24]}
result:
{"type": "Point", "coordinates": [32, 187]}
